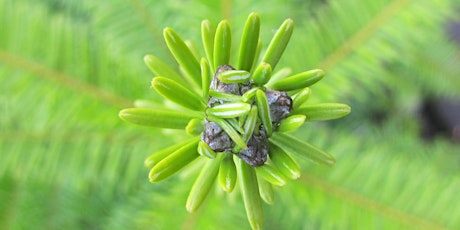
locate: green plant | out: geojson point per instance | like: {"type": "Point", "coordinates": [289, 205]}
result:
{"type": "Point", "coordinates": [68, 162]}
{"type": "Point", "coordinates": [237, 117]}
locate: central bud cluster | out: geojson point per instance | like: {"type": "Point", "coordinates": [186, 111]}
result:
{"type": "Point", "coordinates": [255, 134]}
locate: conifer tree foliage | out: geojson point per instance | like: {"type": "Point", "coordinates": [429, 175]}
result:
{"type": "Point", "coordinates": [68, 67]}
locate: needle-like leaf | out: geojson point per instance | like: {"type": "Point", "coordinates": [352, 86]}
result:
{"type": "Point", "coordinates": [156, 157]}
{"type": "Point", "coordinates": [271, 174]}
{"type": "Point", "coordinates": [203, 183]}
{"type": "Point", "coordinates": [234, 76]}
{"type": "Point", "coordinates": [194, 127]}
{"type": "Point", "coordinates": [264, 111]}
{"type": "Point", "coordinates": [250, 124]}
{"type": "Point", "coordinates": [205, 150]}
{"type": "Point", "coordinates": [229, 110]}
{"type": "Point", "coordinates": [175, 161]}
{"type": "Point", "coordinates": [249, 95]}
{"type": "Point", "coordinates": [251, 196]}
{"type": "Point", "coordinates": [162, 69]}
{"type": "Point", "coordinates": [249, 41]}
{"type": "Point", "coordinates": [262, 74]}
{"type": "Point", "coordinates": [266, 190]}
{"type": "Point", "coordinates": [278, 75]}
{"type": "Point", "coordinates": [302, 149]}
{"type": "Point", "coordinates": [225, 96]}
{"type": "Point", "coordinates": [157, 118]}
{"type": "Point", "coordinates": [300, 97]}
{"type": "Point", "coordinates": [178, 94]}
{"type": "Point", "coordinates": [227, 174]}
{"type": "Point", "coordinates": [299, 81]}
{"type": "Point", "coordinates": [285, 164]}
{"type": "Point", "coordinates": [323, 111]}
{"type": "Point", "coordinates": [207, 36]}
{"type": "Point", "coordinates": [222, 44]}
{"type": "Point", "coordinates": [291, 123]}
{"type": "Point", "coordinates": [278, 43]}
{"type": "Point", "coordinates": [206, 77]}
{"type": "Point", "coordinates": [192, 47]}
{"type": "Point", "coordinates": [183, 55]}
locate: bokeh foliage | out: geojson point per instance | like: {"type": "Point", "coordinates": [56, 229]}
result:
{"type": "Point", "coordinates": [68, 162]}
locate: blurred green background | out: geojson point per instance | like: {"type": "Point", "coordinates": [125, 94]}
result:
{"type": "Point", "coordinates": [68, 162]}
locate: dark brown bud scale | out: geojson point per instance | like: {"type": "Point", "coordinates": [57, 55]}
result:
{"type": "Point", "coordinates": [216, 137]}
{"type": "Point", "coordinates": [280, 105]}
{"type": "Point", "coordinates": [257, 151]}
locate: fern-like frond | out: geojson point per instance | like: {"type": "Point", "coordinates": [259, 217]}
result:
{"type": "Point", "coordinates": [338, 41]}
{"type": "Point", "coordinates": [400, 182]}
